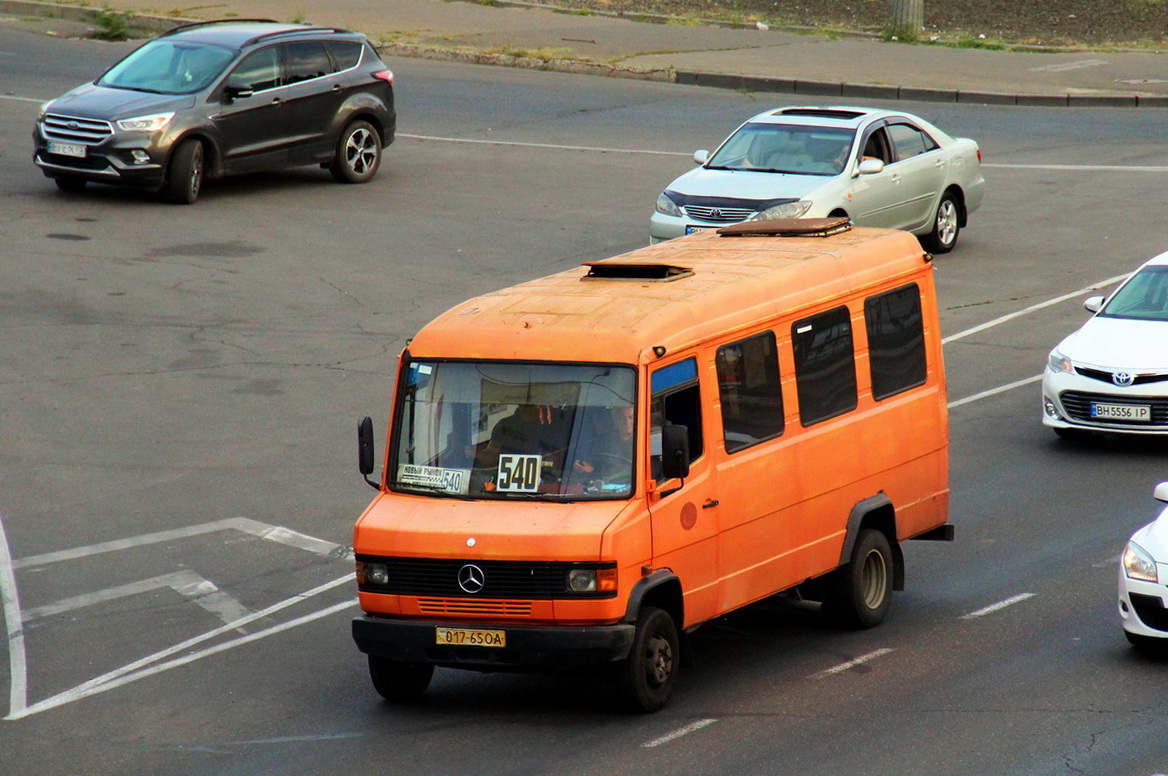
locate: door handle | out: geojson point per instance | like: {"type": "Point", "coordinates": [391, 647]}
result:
{"type": "Point", "coordinates": [711, 503]}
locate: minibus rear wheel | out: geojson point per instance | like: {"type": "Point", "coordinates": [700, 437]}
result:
{"type": "Point", "coordinates": [859, 594]}
{"type": "Point", "coordinates": [646, 677]}
{"type": "Point", "coordinates": [396, 680]}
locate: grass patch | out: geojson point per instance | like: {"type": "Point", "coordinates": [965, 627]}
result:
{"type": "Point", "coordinates": [112, 25]}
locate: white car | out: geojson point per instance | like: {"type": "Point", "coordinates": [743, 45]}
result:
{"type": "Point", "coordinates": [876, 167]}
{"type": "Point", "coordinates": [1143, 581]}
{"type": "Point", "coordinates": [1112, 374]}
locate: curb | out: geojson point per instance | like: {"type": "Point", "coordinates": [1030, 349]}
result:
{"type": "Point", "coordinates": [747, 83]}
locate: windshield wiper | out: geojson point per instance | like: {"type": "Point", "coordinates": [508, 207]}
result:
{"type": "Point", "coordinates": [428, 488]}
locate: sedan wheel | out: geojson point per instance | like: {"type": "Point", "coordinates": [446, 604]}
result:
{"type": "Point", "coordinates": [946, 226]}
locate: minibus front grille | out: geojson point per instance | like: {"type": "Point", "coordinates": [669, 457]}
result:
{"type": "Point", "coordinates": [467, 606]}
{"type": "Point", "coordinates": [443, 578]}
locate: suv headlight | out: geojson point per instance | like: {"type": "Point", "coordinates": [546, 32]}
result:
{"type": "Point", "coordinates": [1057, 362]}
{"type": "Point", "coordinates": [1138, 564]}
{"type": "Point", "coordinates": [785, 210]}
{"type": "Point", "coordinates": [667, 206]}
{"type": "Point", "coordinates": [151, 123]}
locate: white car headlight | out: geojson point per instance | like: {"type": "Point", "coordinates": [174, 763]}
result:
{"type": "Point", "coordinates": [786, 210]}
{"type": "Point", "coordinates": [1138, 564]}
{"type": "Point", "coordinates": [667, 206]}
{"type": "Point", "coordinates": [151, 123]}
{"type": "Point", "coordinates": [1057, 362]}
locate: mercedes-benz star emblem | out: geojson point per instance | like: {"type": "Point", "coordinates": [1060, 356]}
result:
{"type": "Point", "coordinates": [1122, 378]}
{"type": "Point", "coordinates": [471, 578]}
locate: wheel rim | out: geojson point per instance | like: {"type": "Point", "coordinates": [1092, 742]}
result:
{"type": "Point", "coordinates": [196, 181]}
{"type": "Point", "coordinates": [874, 580]}
{"type": "Point", "coordinates": [658, 661]}
{"type": "Point", "coordinates": [947, 222]}
{"type": "Point", "coordinates": [361, 151]}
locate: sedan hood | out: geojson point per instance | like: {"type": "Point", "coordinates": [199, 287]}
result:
{"type": "Point", "coordinates": [1119, 344]}
{"type": "Point", "coordinates": [742, 184]}
{"type": "Point", "coordinates": [100, 102]}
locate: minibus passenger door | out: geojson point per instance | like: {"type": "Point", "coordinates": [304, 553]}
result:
{"type": "Point", "coordinates": [684, 511]}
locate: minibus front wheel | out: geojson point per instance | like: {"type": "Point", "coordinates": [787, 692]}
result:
{"type": "Point", "coordinates": [859, 594]}
{"type": "Point", "coordinates": [646, 677]}
{"type": "Point", "coordinates": [396, 680]}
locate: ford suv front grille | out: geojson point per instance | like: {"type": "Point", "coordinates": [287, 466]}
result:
{"type": "Point", "coordinates": [75, 130]}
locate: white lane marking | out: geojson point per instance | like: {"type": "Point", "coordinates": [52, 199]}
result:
{"type": "Point", "coordinates": [20, 99]}
{"type": "Point", "coordinates": [1062, 67]}
{"type": "Point", "coordinates": [685, 731]}
{"type": "Point", "coordinates": [130, 673]}
{"type": "Point", "coordinates": [1033, 308]}
{"type": "Point", "coordinates": [1080, 167]}
{"type": "Point", "coordinates": [254, 527]}
{"type": "Point", "coordinates": [995, 391]}
{"type": "Point", "coordinates": [552, 146]}
{"type": "Point", "coordinates": [999, 606]}
{"type": "Point", "coordinates": [185, 583]}
{"type": "Point", "coordinates": [14, 627]}
{"type": "Point", "coordinates": [839, 669]}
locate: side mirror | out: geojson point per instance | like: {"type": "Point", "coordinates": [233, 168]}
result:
{"type": "Point", "coordinates": [701, 157]}
{"type": "Point", "coordinates": [237, 92]}
{"type": "Point", "coordinates": [1161, 492]}
{"type": "Point", "coordinates": [870, 166]}
{"type": "Point", "coordinates": [674, 452]}
{"type": "Point", "coordinates": [1093, 304]}
{"type": "Point", "coordinates": [365, 449]}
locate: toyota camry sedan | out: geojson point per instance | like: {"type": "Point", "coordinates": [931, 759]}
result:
{"type": "Point", "coordinates": [1112, 374]}
{"type": "Point", "coordinates": [876, 167]}
{"type": "Point", "coordinates": [1143, 574]}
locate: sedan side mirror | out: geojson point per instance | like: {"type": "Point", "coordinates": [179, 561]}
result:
{"type": "Point", "coordinates": [701, 157]}
{"type": "Point", "coordinates": [1161, 492]}
{"type": "Point", "coordinates": [870, 166]}
{"type": "Point", "coordinates": [1093, 304]}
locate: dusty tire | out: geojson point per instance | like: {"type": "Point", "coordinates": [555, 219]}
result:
{"type": "Point", "coordinates": [859, 594]}
{"type": "Point", "coordinates": [69, 183]}
{"type": "Point", "coordinates": [398, 681]}
{"type": "Point", "coordinates": [184, 179]}
{"type": "Point", "coordinates": [358, 153]}
{"type": "Point", "coordinates": [946, 225]}
{"type": "Point", "coordinates": [645, 679]}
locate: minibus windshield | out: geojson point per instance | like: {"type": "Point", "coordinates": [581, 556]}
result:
{"type": "Point", "coordinates": [514, 430]}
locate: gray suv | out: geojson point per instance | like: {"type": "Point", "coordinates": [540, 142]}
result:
{"type": "Point", "coordinates": [222, 98]}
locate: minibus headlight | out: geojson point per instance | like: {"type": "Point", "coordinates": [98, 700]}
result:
{"type": "Point", "coordinates": [1057, 362]}
{"type": "Point", "coordinates": [584, 580]}
{"type": "Point", "coordinates": [372, 574]}
{"type": "Point", "coordinates": [667, 206]}
{"type": "Point", "coordinates": [1138, 564]}
{"type": "Point", "coordinates": [785, 210]}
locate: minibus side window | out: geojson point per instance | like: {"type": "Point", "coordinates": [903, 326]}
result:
{"type": "Point", "coordinates": [825, 365]}
{"type": "Point", "coordinates": [675, 401]}
{"type": "Point", "coordinates": [749, 390]}
{"type": "Point", "coordinates": [896, 341]}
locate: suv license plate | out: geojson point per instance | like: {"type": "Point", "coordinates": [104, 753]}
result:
{"type": "Point", "coordinates": [469, 637]}
{"type": "Point", "coordinates": [1138, 412]}
{"type": "Point", "coordinates": [67, 149]}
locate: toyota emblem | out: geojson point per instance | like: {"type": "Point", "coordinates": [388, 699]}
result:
{"type": "Point", "coordinates": [715, 213]}
{"type": "Point", "coordinates": [471, 578]}
{"type": "Point", "coordinates": [1122, 378]}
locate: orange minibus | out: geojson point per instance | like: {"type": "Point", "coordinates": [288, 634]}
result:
{"type": "Point", "coordinates": [584, 468]}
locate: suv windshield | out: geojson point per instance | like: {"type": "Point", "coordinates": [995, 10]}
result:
{"type": "Point", "coordinates": [1144, 297]}
{"type": "Point", "coordinates": [168, 67]}
{"type": "Point", "coordinates": [510, 430]}
{"type": "Point", "coordinates": [786, 148]}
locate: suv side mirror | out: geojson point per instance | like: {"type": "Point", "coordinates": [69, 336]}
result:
{"type": "Point", "coordinates": [674, 452]}
{"type": "Point", "coordinates": [365, 449]}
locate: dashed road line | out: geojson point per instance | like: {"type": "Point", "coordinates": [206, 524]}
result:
{"type": "Point", "coordinates": [839, 669]}
{"type": "Point", "coordinates": [999, 606]}
{"type": "Point", "coordinates": [693, 727]}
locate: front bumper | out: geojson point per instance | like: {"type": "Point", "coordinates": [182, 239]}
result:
{"type": "Point", "coordinates": [1143, 606]}
{"type": "Point", "coordinates": [1067, 400]}
{"type": "Point", "coordinates": [529, 648]}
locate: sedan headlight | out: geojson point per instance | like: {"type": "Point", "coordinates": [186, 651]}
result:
{"type": "Point", "coordinates": [1057, 362]}
{"type": "Point", "coordinates": [785, 210]}
{"type": "Point", "coordinates": [151, 123]}
{"type": "Point", "coordinates": [1138, 564]}
{"type": "Point", "coordinates": [667, 206]}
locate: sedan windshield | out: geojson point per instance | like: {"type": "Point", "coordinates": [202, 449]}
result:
{"type": "Point", "coordinates": [785, 148]}
{"type": "Point", "coordinates": [168, 67]}
{"type": "Point", "coordinates": [1144, 297]}
{"type": "Point", "coordinates": [507, 430]}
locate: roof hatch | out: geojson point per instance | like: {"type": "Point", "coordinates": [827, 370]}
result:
{"type": "Point", "coordinates": [787, 227]}
{"type": "Point", "coordinates": [615, 270]}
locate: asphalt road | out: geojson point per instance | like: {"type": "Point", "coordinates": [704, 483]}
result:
{"type": "Point", "coordinates": [180, 391]}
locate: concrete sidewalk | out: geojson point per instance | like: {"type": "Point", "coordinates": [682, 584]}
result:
{"type": "Point", "coordinates": [826, 68]}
